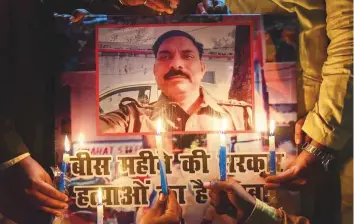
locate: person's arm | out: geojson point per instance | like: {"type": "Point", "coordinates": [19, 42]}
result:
{"type": "Point", "coordinates": [12, 148]}
{"type": "Point", "coordinates": [330, 123]}
{"type": "Point", "coordinates": [263, 213]}
{"type": "Point", "coordinates": [116, 121]}
{"type": "Point", "coordinates": [249, 209]}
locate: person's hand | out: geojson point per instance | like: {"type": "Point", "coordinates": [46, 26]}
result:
{"type": "Point", "coordinates": [157, 5]}
{"type": "Point", "coordinates": [165, 210]}
{"type": "Point", "coordinates": [78, 15]}
{"type": "Point", "coordinates": [304, 169]}
{"type": "Point", "coordinates": [32, 186]}
{"type": "Point", "coordinates": [236, 194]}
{"type": "Point", "coordinates": [212, 7]}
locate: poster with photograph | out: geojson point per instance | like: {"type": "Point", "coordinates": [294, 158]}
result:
{"type": "Point", "coordinates": [136, 85]}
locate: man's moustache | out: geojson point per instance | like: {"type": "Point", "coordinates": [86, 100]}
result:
{"type": "Point", "coordinates": [175, 72]}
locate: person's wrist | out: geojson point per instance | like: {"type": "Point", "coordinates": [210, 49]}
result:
{"type": "Point", "coordinates": [317, 144]}
{"type": "Point", "coordinates": [307, 157]}
{"type": "Point", "coordinates": [246, 204]}
{"type": "Point", "coordinates": [247, 210]}
{"type": "Point", "coordinates": [26, 161]}
{"type": "Point", "coordinates": [124, 3]}
{"type": "Point", "coordinates": [320, 153]}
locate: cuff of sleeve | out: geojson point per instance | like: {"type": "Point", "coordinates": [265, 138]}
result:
{"type": "Point", "coordinates": [13, 161]}
{"type": "Point", "coordinates": [11, 143]}
{"type": "Point", "coordinates": [335, 138]}
{"type": "Point", "coordinates": [263, 213]}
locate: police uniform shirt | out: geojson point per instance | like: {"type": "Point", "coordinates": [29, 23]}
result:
{"type": "Point", "coordinates": [135, 117]}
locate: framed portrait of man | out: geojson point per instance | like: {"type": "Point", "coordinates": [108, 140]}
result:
{"type": "Point", "coordinates": [189, 75]}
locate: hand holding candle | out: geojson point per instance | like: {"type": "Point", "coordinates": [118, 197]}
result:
{"type": "Point", "coordinates": [161, 156]}
{"type": "Point", "coordinates": [226, 207]}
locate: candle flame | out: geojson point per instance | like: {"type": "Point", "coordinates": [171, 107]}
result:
{"type": "Point", "coordinates": [81, 139]}
{"type": "Point", "coordinates": [272, 127]}
{"type": "Point", "coordinates": [261, 124]}
{"type": "Point", "coordinates": [66, 144]}
{"type": "Point", "coordinates": [158, 126]}
{"type": "Point", "coordinates": [99, 196]}
{"type": "Point", "coordinates": [223, 125]}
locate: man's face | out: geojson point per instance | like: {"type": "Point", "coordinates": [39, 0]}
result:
{"type": "Point", "coordinates": [178, 69]}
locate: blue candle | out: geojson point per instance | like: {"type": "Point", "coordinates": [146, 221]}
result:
{"type": "Point", "coordinates": [64, 165]}
{"type": "Point", "coordinates": [222, 152]}
{"type": "Point", "coordinates": [160, 154]}
{"type": "Point", "coordinates": [163, 178]}
{"type": "Point", "coordinates": [62, 176]}
{"type": "Point", "coordinates": [272, 158]}
{"type": "Point", "coordinates": [100, 210]}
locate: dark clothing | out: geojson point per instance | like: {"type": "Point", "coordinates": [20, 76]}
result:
{"type": "Point", "coordinates": [27, 81]}
{"type": "Point", "coordinates": [32, 57]}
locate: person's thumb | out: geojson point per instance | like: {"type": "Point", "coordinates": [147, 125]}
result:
{"type": "Point", "coordinates": [160, 204]}
{"type": "Point", "coordinates": [218, 185]}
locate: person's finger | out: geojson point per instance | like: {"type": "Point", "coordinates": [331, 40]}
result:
{"type": "Point", "coordinates": [209, 6]}
{"type": "Point", "coordinates": [298, 131]}
{"type": "Point", "coordinates": [219, 185]}
{"type": "Point", "coordinates": [43, 200]}
{"type": "Point", "coordinates": [201, 9]}
{"type": "Point", "coordinates": [174, 4]}
{"type": "Point", "coordinates": [214, 197]}
{"type": "Point", "coordinates": [153, 6]}
{"type": "Point", "coordinates": [271, 186]}
{"type": "Point", "coordinates": [307, 138]}
{"type": "Point", "coordinates": [173, 212]}
{"type": "Point", "coordinates": [162, 5]}
{"type": "Point", "coordinates": [78, 15]}
{"type": "Point", "coordinates": [231, 179]}
{"type": "Point", "coordinates": [172, 203]}
{"type": "Point", "coordinates": [55, 212]}
{"type": "Point", "coordinates": [287, 175]}
{"type": "Point", "coordinates": [159, 206]}
{"type": "Point", "coordinates": [50, 191]}
{"type": "Point", "coordinates": [294, 185]}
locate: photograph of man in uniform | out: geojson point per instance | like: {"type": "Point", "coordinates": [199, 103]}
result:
{"type": "Point", "coordinates": [183, 105]}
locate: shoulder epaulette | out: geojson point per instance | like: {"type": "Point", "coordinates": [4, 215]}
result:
{"type": "Point", "coordinates": [234, 103]}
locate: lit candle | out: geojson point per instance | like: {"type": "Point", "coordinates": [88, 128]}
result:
{"type": "Point", "coordinates": [81, 140]}
{"type": "Point", "coordinates": [64, 164]}
{"type": "Point", "coordinates": [161, 156]}
{"type": "Point", "coordinates": [272, 194]}
{"type": "Point", "coordinates": [99, 207]}
{"type": "Point", "coordinates": [272, 159]}
{"type": "Point", "coordinates": [222, 151]}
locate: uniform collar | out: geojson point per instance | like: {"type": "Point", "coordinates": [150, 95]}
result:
{"type": "Point", "coordinates": [163, 102]}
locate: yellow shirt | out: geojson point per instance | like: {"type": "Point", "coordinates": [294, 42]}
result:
{"type": "Point", "coordinates": [325, 82]}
